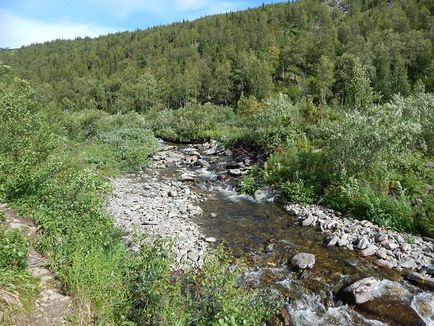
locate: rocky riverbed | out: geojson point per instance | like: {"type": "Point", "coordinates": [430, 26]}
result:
{"type": "Point", "coordinates": [391, 249]}
{"type": "Point", "coordinates": [318, 258]}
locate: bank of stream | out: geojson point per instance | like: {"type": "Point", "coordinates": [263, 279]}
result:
{"type": "Point", "coordinates": [187, 194]}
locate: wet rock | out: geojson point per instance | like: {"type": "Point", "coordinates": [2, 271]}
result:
{"type": "Point", "coordinates": [423, 281]}
{"type": "Point", "coordinates": [210, 239]}
{"type": "Point", "coordinates": [187, 177]}
{"type": "Point", "coordinates": [384, 263]}
{"type": "Point", "coordinates": [222, 177]}
{"type": "Point", "coordinates": [430, 270]}
{"type": "Point", "coordinates": [236, 172]}
{"type": "Point", "coordinates": [331, 242]}
{"type": "Point", "coordinates": [391, 310]}
{"type": "Point", "coordinates": [191, 159]}
{"type": "Point", "coordinates": [360, 291]}
{"type": "Point", "coordinates": [213, 215]}
{"type": "Point", "coordinates": [303, 260]}
{"type": "Point", "coordinates": [203, 164]}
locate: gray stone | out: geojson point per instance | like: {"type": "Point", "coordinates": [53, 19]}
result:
{"type": "Point", "coordinates": [307, 221]}
{"type": "Point", "coordinates": [405, 246]}
{"type": "Point", "coordinates": [332, 241]}
{"type": "Point", "coordinates": [368, 251]}
{"type": "Point", "coordinates": [382, 253]}
{"type": "Point", "coordinates": [210, 239]}
{"type": "Point", "coordinates": [380, 237]}
{"type": "Point", "coordinates": [362, 244]}
{"type": "Point", "coordinates": [360, 291]}
{"type": "Point", "coordinates": [187, 177]}
{"type": "Point", "coordinates": [193, 255]}
{"type": "Point", "coordinates": [203, 164]}
{"type": "Point", "coordinates": [391, 245]}
{"type": "Point", "coordinates": [399, 238]}
{"type": "Point", "coordinates": [172, 193]}
{"type": "Point", "coordinates": [383, 263]}
{"type": "Point", "coordinates": [191, 159]}
{"type": "Point", "coordinates": [303, 260]}
{"type": "Point", "coordinates": [410, 264]}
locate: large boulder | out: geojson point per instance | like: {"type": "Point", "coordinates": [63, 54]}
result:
{"type": "Point", "coordinates": [303, 260]}
{"type": "Point", "coordinates": [360, 291]}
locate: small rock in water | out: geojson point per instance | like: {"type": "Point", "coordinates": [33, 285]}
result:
{"type": "Point", "coordinates": [384, 263]}
{"type": "Point", "coordinates": [191, 159]}
{"type": "Point", "coordinates": [203, 164]}
{"type": "Point", "coordinates": [213, 215]}
{"type": "Point", "coordinates": [236, 172]}
{"type": "Point", "coordinates": [187, 177]}
{"type": "Point", "coordinates": [333, 241]}
{"type": "Point", "coordinates": [210, 239]}
{"type": "Point", "coordinates": [360, 291]}
{"type": "Point", "coordinates": [303, 260]}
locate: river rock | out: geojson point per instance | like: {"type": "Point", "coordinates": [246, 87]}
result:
{"type": "Point", "coordinates": [384, 263]}
{"type": "Point", "coordinates": [303, 260]}
{"type": "Point", "coordinates": [362, 244]}
{"type": "Point", "coordinates": [236, 172]}
{"type": "Point", "coordinates": [331, 242]}
{"type": "Point", "coordinates": [187, 177]}
{"type": "Point", "coordinates": [203, 164]}
{"type": "Point", "coordinates": [360, 291]}
{"type": "Point", "coordinates": [369, 251]}
{"type": "Point", "coordinates": [309, 220]}
{"type": "Point", "coordinates": [193, 255]}
{"type": "Point", "coordinates": [410, 264]}
{"type": "Point", "coordinates": [191, 159]}
{"type": "Point", "coordinates": [210, 239]}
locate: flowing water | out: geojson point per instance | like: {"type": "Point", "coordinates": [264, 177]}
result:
{"type": "Point", "coordinates": [266, 236]}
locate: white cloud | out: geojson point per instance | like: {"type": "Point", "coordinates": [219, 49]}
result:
{"type": "Point", "coordinates": [16, 31]}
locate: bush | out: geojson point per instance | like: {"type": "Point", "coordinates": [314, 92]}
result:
{"type": "Point", "coordinates": [195, 122]}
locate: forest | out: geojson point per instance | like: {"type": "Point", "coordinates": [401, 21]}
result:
{"type": "Point", "coordinates": [338, 94]}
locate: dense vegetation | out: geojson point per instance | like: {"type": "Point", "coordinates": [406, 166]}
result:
{"type": "Point", "coordinates": [339, 94]}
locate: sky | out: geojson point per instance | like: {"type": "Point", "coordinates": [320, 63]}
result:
{"type": "Point", "coordinates": [23, 22]}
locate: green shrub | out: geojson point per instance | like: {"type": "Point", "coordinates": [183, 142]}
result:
{"type": "Point", "coordinates": [251, 182]}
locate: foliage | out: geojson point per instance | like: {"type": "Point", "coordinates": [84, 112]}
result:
{"type": "Point", "coordinates": [17, 286]}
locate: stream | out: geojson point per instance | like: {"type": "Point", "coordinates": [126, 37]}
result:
{"type": "Point", "coordinates": [210, 212]}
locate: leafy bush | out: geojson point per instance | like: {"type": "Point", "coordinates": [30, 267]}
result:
{"type": "Point", "coordinates": [251, 182]}
{"type": "Point", "coordinates": [195, 122]}
{"type": "Point", "coordinates": [274, 126]}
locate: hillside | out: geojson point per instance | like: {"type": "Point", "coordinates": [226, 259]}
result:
{"type": "Point", "coordinates": [302, 48]}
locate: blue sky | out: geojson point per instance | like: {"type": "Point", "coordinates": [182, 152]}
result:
{"type": "Point", "coordinates": [23, 22]}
